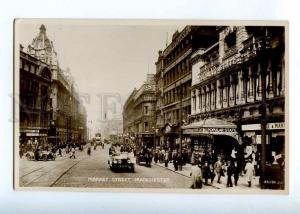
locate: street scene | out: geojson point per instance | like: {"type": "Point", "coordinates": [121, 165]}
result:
{"type": "Point", "coordinates": [150, 106]}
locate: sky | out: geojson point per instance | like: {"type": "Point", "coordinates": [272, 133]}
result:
{"type": "Point", "coordinates": [107, 61]}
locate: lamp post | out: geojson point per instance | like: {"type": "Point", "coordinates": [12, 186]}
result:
{"type": "Point", "coordinates": [264, 63]}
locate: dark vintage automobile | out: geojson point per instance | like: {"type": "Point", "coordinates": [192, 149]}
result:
{"type": "Point", "coordinates": [142, 159]}
{"type": "Point", "coordinates": [121, 162]}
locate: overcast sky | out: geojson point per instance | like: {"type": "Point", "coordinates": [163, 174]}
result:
{"type": "Point", "coordinates": [103, 58]}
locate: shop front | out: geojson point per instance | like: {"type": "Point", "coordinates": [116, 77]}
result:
{"type": "Point", "coordinates": [211, 137]}
{"type": "Point", "coordinates": [170, 137]}
{"type": "Point", "coordinates": [145, 140]}
{"type": "Point", "coordinates": [32, 138]}
{"type": "Point", "coordinates": [275, 140]}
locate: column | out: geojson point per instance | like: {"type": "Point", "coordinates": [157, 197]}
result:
{"type": "Point", "coordinates": [225, 93]}
{"type": "Point", "coordinates": [196, 101]}
{"type": "Point", "coordinates": [258, 83]}
{"type": "Point", "coordinates": [241, 95]}
{"type": "Point", "coordinates": [269, 81]}
{"type": "Point", "coordinates": [218, 93]}
{"type": "Point", "coordinates": [208, 92]}
{"type": "Point", "coordinates": [231, 91]}
{"type": "Point", "coordinates": [213, 104]}
{"type": "Point", "coordinates": [250, 85]}
{"type": "Point", "coordinates": [203, 99]}
{"type": "Point", "coordinates": [200, 100]}
{"type": "Point", "coordinates": [245, 85]}
{"type": "Point", "coordinates": [193, 107]}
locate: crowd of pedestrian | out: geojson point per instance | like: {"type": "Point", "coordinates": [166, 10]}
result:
{"type": "Point", "coordinates": [37, 147]}
{"type": "Point", "coordinates": [168, 156]}
{"type": "Point", "coordinates": [206, 168]}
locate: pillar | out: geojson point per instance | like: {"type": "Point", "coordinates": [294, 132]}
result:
{"type": "Point", "coordinates": [218, 93]}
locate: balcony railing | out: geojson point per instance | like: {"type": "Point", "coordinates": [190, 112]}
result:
{"type": "Point", "coordinates": [250, 47]}
{"type": "Point", "coordinates": [230, 52]}
{"type": "Point", "coordinates": [208, 69]}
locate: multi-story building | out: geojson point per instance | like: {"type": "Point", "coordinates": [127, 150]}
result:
{"type": "Point", "coordinates": [174, 64]}
{"type": "Point", "coordinates": [66, 116]}
{"type": "Point", "coordinates": [34, 102]}
{"type": "Point", "coordinates": [158, 117]}
{"type": "Point", "coordinates": [227, 92]}
{"type": "Point", "coordinates": [138, 114]}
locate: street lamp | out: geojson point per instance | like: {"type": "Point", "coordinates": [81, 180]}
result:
{"type": "Point", "coordinates": [263, 56]}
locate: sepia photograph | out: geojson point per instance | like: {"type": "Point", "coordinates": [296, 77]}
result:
{"type": "Point", "coordinates": [151, 106]}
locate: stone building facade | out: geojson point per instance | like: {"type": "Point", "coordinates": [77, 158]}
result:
{"type": "Point", "coordinates": [226, 93]}
{"type": "Point", "coordinates": [138, 114]}
{"type": "Point", "coordinates": [176, 73]}
{"type": "Point", "coordinates": [34, 99]}
{"type": "Point", "coordinates": [50, 90]}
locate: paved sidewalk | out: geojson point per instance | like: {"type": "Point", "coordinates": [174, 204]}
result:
{"type": "Point", "coordinates": [242, 182]}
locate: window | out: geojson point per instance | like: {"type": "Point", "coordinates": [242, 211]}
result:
{"type": "Point", "coordinates": [32, 69]}
{"type": "Point", "coordinates": [146, 110]}
{"type": "Point", "coordinates": [146, 126]}
{"type": "Point", "coordinates": [230, 39]}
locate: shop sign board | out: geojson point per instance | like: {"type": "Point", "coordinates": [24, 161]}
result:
{"type": "Point", "coordinates": [209, 130]}
{"type": "Point", "coordinates": [270, 126]}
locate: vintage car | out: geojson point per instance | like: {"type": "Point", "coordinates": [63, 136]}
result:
{"type": "Point", "coordinates": [120, 162]}
{"type": "Point", "coordinates": [141, 159]}
{"type": "Point", "coordinates": [40, 155]}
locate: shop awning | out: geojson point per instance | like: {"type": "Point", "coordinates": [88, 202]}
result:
{"type": "Point", "coordinates": [211, 126]}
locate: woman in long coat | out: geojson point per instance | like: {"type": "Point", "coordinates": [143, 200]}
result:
{"type": "Point", "coordinates": [249, 169]}
{"type": "Point", "coordinates": [196, 178]}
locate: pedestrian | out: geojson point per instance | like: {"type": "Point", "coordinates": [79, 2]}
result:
{"type": "Point", "coordinates": [175, 161]}
{"type": "Point", "coordinates": [67, 149]}
{"type": "Point", "coordinates": [193, 161]}
{"type": "Point", "coordinates": [206, 172]}
{"type": "Point", "coordinates": [196, 176]}
{"type": "Point", "coordinates": [166, 158]}
{"type": "Point", "coordinates": [233, 154]}
{"type": "Point", "coordinates": [59, 152]}
{"type": "Point", "coordinates": [229, 174]}
{"type": "Point", "coordinates": [218, 169]}
{"type": "Point", "coordinates": [180, 162]}
{"type": "Point", "coordinates": [72, 153]}
{"type": "Point", "coordinates": [249, 170]}
{"type": "Point", "coordinates": [89, 151]}
{"type": "Point", "coordinates": [155, 156]}
{"type": "Point", "coordinates": [236, 173]}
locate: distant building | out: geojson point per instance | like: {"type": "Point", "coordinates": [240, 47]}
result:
{"type": "Point", "coordinates": [138, 114]}
{"type": "Point", "coordinates": [111, 127]}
